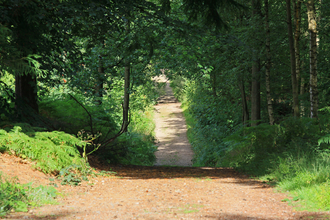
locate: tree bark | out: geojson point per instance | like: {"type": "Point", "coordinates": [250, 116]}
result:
{"type": "Point", "coordinates": [255, 90]}
{"type": "Point", "coordinates": [98, 90]}
{"type": "Point", "coordinates": [126, 96]}
{"type": "Point", "coordinates": [127, 84]}
{"type": "Point", "coordinates": [293, 61]}
{"type": "Point", "coordinates": [26, 92]}
{"type": "Point", "coordinates": [255, 93]}
{"type": "Point", "coordinates": [297, 20]}
{"type": "Point", "coordinates": [312, 25]}
{"type": "Point", "coordinates": [245, 116]}
{"type": "Point", "coordinates": [268, 66]}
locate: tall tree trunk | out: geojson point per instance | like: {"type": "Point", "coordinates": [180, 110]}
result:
{"type": "Point", "coordinates": [255, 90]}
{"type": "Point", "coordinates": [255, 93]}
{"type": "Point", "coordinates": [26, 92]}
{"type": "Point", "coordinates": [293, 61]}
{"type": "Point", "coordinates": [312, 25]}
{"type": "Point", "coordinates": [268, 66]}
{"type": "Point", "coordinates": [245, 116]}
{"type": "Point", "coordinates": [127, 76]}
{"type": "Point", "coordinates": [297, 20]}
{"type": "Point", "coordinates": [126, 96]}
{"type": "Point", "coordinates": [98, 90]}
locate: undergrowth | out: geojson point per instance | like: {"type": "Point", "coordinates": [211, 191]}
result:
{"type": "Point", "coordinates": [51, 151]}
{"type": "Point", "coordinates": [207, 118]}
{"type": "Point", "coordinates": [18, 197]}
{"type": "Point", "coordinates": [294, 154]}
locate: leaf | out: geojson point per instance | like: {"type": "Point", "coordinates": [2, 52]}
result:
{"type": "Point", "coordinates": [325, 139]}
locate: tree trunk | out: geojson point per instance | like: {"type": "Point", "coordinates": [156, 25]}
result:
{"type": "Point", "coordinates": [126, 96]}
{"type": "Point", "coordinates": [98, 90]}
{"type": "Point", "coordinates": [255, 93]}
{"type": "Point", "coordinates": [268, 66]}
{"type": "Point", "coordinates": [26, 92]}
{"type": "Point", "coordinates": [245, 115]}
{"type": "Point", "coordinates": [312, 58]}
{"type": "Point", "coordinates": [127, 76]}
{"type": "Point", "coordinates": [255, 90]}
{"type": "Point", "coordinates": [293, 61]}
{"type": "Point", "coordinates": [297, 20]}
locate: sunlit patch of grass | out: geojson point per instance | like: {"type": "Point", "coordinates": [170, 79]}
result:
{"type": "Point", "coordinates": [190, 208]}
{"type": "Point", "coordinates": [200, 179]}
{"type": "Point", "coordinates": [306, 177]}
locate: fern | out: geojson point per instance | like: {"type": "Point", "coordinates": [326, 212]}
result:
{"type": "Point", "coordinates": [324, 140]}
{"type": "Point", "coordinates": [52, 151]}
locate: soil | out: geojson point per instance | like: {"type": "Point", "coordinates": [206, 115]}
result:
{"type": "Point", "coordinates": [159, 192]}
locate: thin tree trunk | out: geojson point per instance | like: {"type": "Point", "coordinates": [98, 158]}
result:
{"type": "Point", "coordinates": [255, 90]}
{"type": "Point", "coordinates": [99, 82]}
{"type": "Point", "coordinates": [293, 62]}
{"type": "Point", "coordinates": [127, 84]}
{"type": "Point", "coordinates": [312, 25]}
{"type": "Point", "coordinates": [255, 93]}
{"type": "Point", "coordinates": [126, 96]}
{"type": "Point", "coordinates": [297, 20]}
{"type": "Point", "coordinates": [268, 66]}
{"type": "Point", "coordinates": [245, 115]}
{"type": "Point", "coordinates": [302, 90]}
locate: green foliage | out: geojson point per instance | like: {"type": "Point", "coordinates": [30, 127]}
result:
{"type": "Point", "coordinates": [210, 117]}
{"type": "Point", "coordinates": [135, 146]}
{"type": "Point", "coordinates": [18, 197]}
{"type": "Point", "coordinates": [51, 151]}
{"type": "Point", "coordinates": [40, 195]}
{"type": "Point", "coordinates": [291, 154]}
{"type": "Point", "coordinates": [257, 149]}
{"type": "Point", "coordinates": [12, 196]}
{"type": "Point", "coordinates": [74, 174]}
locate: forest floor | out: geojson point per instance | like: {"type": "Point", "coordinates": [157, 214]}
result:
{"type": "Point", "coordinates": [159, 192]}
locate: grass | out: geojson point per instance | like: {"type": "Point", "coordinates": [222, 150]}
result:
{"type": "Point", "coordinates": [19, 197]}
{"type": "Point", "coordinates": [190, 208]}
{"type": "Point", "coordinates": [306, 177]}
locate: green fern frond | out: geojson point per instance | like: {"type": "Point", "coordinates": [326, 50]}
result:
{"type": "Point", "coordinates": [324, 140]}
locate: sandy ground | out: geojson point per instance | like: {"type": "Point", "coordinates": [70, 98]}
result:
{"type": "Point", "coordinates": [171, 131]}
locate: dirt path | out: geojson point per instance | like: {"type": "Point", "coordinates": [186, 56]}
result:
{"type": "Point", "coordinates": [159, 192]}
{"type": "Point", "coordinates": [151, 193]}
{"type": "Point", "coordinates": [171, 131]}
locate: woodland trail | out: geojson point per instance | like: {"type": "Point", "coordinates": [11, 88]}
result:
{"type": "Point", "coordinates": [171, 131]}
{"type": "Point", "coordinates": [158, 192]}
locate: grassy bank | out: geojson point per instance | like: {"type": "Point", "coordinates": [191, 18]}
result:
{"type": "Point", "coordinates": [293, 155]}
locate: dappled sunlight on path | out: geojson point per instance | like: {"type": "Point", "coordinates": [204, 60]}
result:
{"type": "Point", "coordinates": [171, 131]}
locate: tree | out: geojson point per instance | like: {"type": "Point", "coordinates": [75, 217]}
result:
{"type": "Point", "coordinates": [37, 28]}
{"type": "Point", "coordinates": [312, 28]}
{"type": "Point", "coordinates": [292, 61]}
{"type": "Point", "coordinates": [268, 65]}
